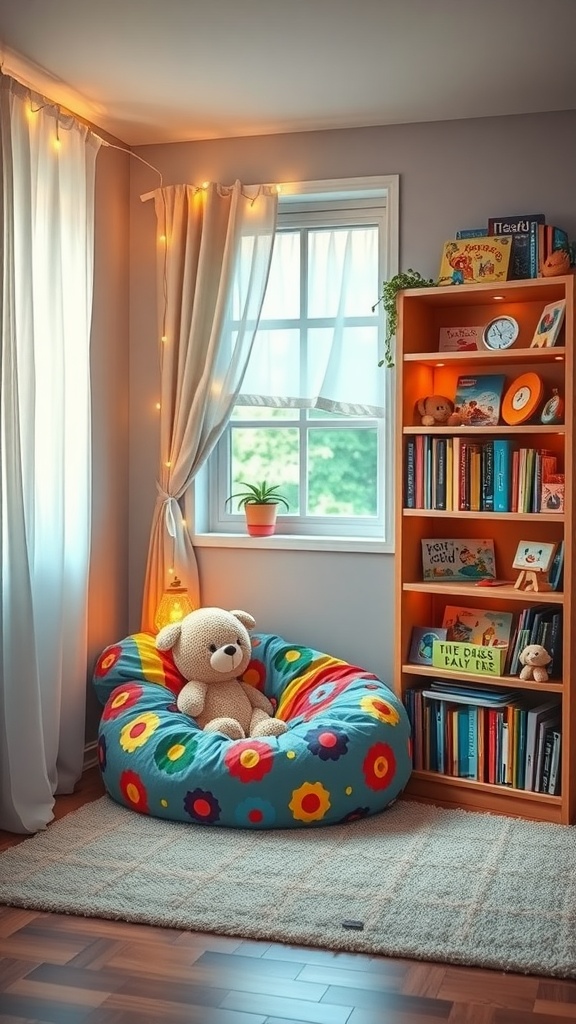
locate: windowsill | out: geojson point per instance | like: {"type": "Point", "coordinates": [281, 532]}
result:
{"type": "Point", "coordinates": [289, 542]}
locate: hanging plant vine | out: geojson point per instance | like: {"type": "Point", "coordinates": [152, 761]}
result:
{"type": "Point", "coordinates": [407, 279]}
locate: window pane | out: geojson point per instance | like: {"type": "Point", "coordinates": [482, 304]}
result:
{"type": "Point", "coordinates": [343, 472]}
{"type": "Point", "coordinates": [343, 271]}
{"type": "Point", "coordinates": [266, 453]}
{"type": "Point", "coordinates": [260, 412]}
{"type": "Point", "coordinates": [274, 367]}
{"type": "Point", "coordinates": [282, 300]}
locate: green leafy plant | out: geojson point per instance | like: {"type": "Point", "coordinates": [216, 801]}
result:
{"type": "Point", "coordinates": [408, 279]}
{"type": "Point", "coordinates": [258, 494]}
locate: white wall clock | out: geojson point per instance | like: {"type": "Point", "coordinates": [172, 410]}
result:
{"type": "Point", "coordinates": [501, 332]}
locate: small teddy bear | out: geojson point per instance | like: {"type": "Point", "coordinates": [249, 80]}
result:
{"type": "Point", "coordinates": [211, 648]}
{"type": "Point", "coordinates": [436, 409]}
{"type": "Point", "coordinates": [534, 658]}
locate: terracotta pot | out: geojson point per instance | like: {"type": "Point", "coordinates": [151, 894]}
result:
{"type": "Point", "coordinates": [261, 519]}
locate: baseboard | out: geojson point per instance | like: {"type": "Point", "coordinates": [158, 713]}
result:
{"type": "Point", "coordinates": [90, 756]}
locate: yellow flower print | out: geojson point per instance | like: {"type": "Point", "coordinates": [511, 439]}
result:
{"type": "Point", "coordinates": [138, 731]}
{"type": "Point", "coordinates": [380, 708]}
{"type": "Point", "coordinates": [310, 802]}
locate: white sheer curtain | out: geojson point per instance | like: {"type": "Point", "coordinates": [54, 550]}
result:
{"type": "Point", "coordinates": [47, 168]}
{"type": "Point", "coordinates": [214, 261]}
{"type": "Point", "coordinates": [336, 367]}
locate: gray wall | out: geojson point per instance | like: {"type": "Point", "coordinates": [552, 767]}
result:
{"type": "Point", "coordinates": [452, 174]}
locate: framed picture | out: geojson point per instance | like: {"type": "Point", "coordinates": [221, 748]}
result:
{"type": "Point", "coordinates": [421, 643]}
{"type": "Point", "coordinates": [534, 555]}
{"type": "Point", "coordinates": [549, 324]}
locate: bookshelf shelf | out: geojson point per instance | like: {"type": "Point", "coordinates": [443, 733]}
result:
{"type": "Point", "coordinates": [473, 593]}
{"type": "Point", "coordinates": [525, 517]}
{"type": "Point", "coordinates": [509, 682]}
{"type": "Point", "coordinates": [421, 369]}
{"type": "Point", "coordinates": [476, 432]}
{"type": "Point", "coordinates": [495, 359]}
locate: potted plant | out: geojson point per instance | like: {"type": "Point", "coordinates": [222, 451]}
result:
{"type": "Point", "coordinates": [260, 504]}
{"type": "Point", "coordinates": [408, 279]}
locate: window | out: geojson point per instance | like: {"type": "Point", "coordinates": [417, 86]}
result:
{"type": "Point", "coordinates": [314, 410]}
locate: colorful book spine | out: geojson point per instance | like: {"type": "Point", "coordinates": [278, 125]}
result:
{"type": "Point", "coordinates": [410, 475]}
{"type": "Point", "coordinates": [471, 233]}
{"type": "Point", "coordinates": [502, 469]}
{"type": "Point", "coordinates": [440, 477]}
{"type": "Point", "coordinates": [554, 780]}
{"type": "Point", "coordinates": [487, 470]}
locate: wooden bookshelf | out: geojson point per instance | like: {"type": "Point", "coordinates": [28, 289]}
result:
{"type": "Point", "coordinates": [423, 370]}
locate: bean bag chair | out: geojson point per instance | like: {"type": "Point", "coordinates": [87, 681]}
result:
{"type": "Point", "coordinates": [345, 754]}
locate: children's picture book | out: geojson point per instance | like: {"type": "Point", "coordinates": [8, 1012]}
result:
{"type": "Point", "coordinates": [534, 554]}
{"type": "Point", "coordinates": [519, 228]}
{"type": "Point", "coordinates": [473, 260]}
{"type": "Point", "coordinates": [513, 225]}
{"type": "Point", "coordinates": [477, 626]}
{"type": "Point", "coordinates": [549, 324]}
{"type": "Point", "coordinates": [459, 339]}
{"type": "Point", "coordinates": [453, 559]}
{"type": "Point", "coordinates": [552, 495]}
{"type": "Point", "coordinates": [478, 399]}
{"type": "Point", "coordinates": [421, 643]}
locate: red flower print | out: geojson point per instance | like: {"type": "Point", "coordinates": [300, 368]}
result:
{"type": "Point", "coordinates": [121, 698]}
{"type": "Point", "coordinates": [107, 659]}
{"type": "Point", "coordinates": [249, 760]}
{"type": "Point", "coordinates": [202, 806]}
{"type": "Point", "coordinates": [379, 766]}
{"type": "Point", "coordinates": [134, 792]}
{"type": "Point", "coordinates": [328, 744]}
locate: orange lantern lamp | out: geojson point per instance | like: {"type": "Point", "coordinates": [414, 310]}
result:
{"type": "Point", "coordinates": [174, 604]}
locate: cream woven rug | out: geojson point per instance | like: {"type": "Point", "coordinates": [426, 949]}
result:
{"type": "Point", "coordinates": [426, 883]}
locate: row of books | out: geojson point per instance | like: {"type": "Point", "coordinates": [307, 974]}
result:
{"type": "Point", "coordinates": [487, 735]}
{"type": "Point", "coordinates": [540, 624]}
{"type": "Point", "coordinates": [454, 474]}
{"type": "Point", "coordinates": [533, 240]}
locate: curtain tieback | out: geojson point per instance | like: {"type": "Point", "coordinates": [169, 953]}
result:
{"type": "Point", "coordinates": [172, 511]}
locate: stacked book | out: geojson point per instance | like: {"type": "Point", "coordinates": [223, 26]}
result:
{"type": "Point", "coordinates": [533, 241]}
{"type": "Point", "coordinates": [486, 734]}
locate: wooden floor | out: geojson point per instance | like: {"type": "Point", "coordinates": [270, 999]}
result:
{"type": "Point", "coordinates": [73, 970]}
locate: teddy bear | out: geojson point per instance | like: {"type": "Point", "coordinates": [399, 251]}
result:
{"type": "Point", "coordinates": [557, 263]}
{"type": "Point", "coordinates": [211, 648]}
{"type": "Point", "coordinates": [437, 409]}
{"type": "Point", "coordinates": [534, 658]}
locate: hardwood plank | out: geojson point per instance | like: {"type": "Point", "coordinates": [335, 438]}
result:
{"type": "Point", "coordinates": [464, 984]}
{"type": "Point", "coordinates": [422, 979]}
{"type": "Point", "coordinates": [390, 1002]}
{"type": "Point", "coordinates": [471, 1013]}
{"type": "Point", "coordinates": [237, 963]}
{"type": "Point", "coordinates": [33, 1010]}
{"type": "Point", "coordinates": [383, 980]}
{"type": "Point", "coordinates": [133, 1008]}
{"type": "Point", "coordinates": [290, 1009]}
{"type": "Point", "coordinates": [360, 1016]}
{"type": "Point", "coordinates": [316, 954]}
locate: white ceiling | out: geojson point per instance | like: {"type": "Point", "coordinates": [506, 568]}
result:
{"type": "Point", "coordinates": [155, 71]}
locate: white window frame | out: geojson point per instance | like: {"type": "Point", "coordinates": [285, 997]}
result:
{"type": "Point", "coordinates": [223, 529]}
